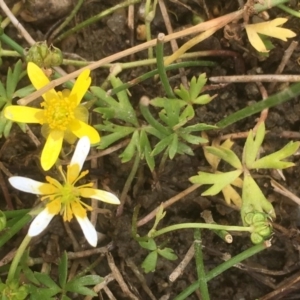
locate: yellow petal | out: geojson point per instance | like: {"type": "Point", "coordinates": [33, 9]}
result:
{"type": "Point", "coordinates": [255, 40]}
{"type": "Point", "coordinates": [78, 210]}
{"type": "Point", "coordinates": [99, 195]}
{"type": "Point", "coordinates": [81, 113]}
{"type": "Point", "coordinates": [23, 114]}
{"type": "Point", "coordinates": [54, 207]}
{"type": "Point", "coordinates": [81, 129]}
{"type": "Point", "coordinates": [51, 149]}
{"type": "Point", "coordinates": [81, 86]}
{"type": "Point", "coordinates": [39, 80]}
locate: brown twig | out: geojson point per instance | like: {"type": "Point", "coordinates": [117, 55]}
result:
{"type": "Point", "coordinates": [166, 204]}
{"type": "Point", "coordinates": [119, 278]}
{"type": "Point", "coordinates": [215, 23]}
{"type": "Point", "coordinates": [287, 55]}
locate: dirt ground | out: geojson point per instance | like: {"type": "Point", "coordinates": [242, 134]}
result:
{"type": "Point", "coordinates": [273, 269]}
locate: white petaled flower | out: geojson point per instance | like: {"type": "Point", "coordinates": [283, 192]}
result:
{"type": "Point", "coordinates": [65, 198]}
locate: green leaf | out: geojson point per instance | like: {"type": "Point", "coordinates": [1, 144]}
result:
{"type": "Point", "coordinates": [192, 139]}
{"type": "Point", "coordinates": [3, 91]}
{"type": "Point", "coordinates": [197, 85]}
{"type": "Point", "coordinates": [203, 99]}
{"type": "Point", "coordinates": [161, 145]}
{"type": "Point", "coordinates": [25, 91]}
{"type": "Point", "coordinates": [131, 148]}
{"type": "Point", "coordinates": [171, 112]}
{"type": "Point", "coordinates": [150, 261]}
{"type": "Point", "coordinates": [199, 127]}
{"type": "Point", "coordinates": [63, 270]}
{"type": "Point", "coordinates": [146, 149]}
{"type": "Point", "coordinates": [226, 154]}
{"type": "Point", "coordinates": [218, 180]}
{"type": "Point", "coordinates": [184, 149]}
{"type": "Point", "coordinates": [77, 285]}
{"type": "Point", "coordinates": [183, 93]}
{"type": "Point", "coordinates": [52, 288]}
{"type": "Point", "coordinates": [149, 244]}
{"type": "Point", "coordinates": [7, 128]}
{"type": "Point", "coordinates": [125, 107]}
{"type": "Point", "coordinates": [252, 145]}
{"type": "Point", "coordinates": [12, 79]}
{"type": "Point", "coordinates": [173, 146]}
{"type": "Point", "coordinates": [187, 114]}
{"type": "Point", "coordinates": [273, 161]}
{"type": "Point", "coordinates": [254, 199]}
{"type": "Point", "coordinates": [167, 253]}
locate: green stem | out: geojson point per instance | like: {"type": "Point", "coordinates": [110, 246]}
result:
{"type": "Point", "coordinates": [289, 10]}
{"type": "Point", "coordinates": [17, 258]}
{"type": "Point", "coordinates": [8, 41]}
{"type": "Point", "coordinates": [148, 26]}
{"type": "Point", "coordinates": [144, 108]}
{"type": "Point", "coordinates": [9, 53]}
{"type": "Point", "coordinates": [152, 73]}
{"type": "Point", "coordinates": [202, 283]}
{"type": "Point", "coordinates": [16, 213]}
{"type": "Point", "coordinates": [146, 62]}
{"type": "Point", "coordinates": [94, 19]}
{"type": "Point", "coordinates": [7, 235]}
{"type": "Point", "coordinates": [200, 225]}
{"type": "Point", "coordinates": [66, 21]}
{"type": "Point", "coordinates": [279, 98]}
{"type": "Point", "coordinates": [161, 67]}
{"type": "Point", "coordinates": [163, 161]}
{"type": "Point", "coordinates": [223, 267]}
{"type": "Point", "coordinates": [130, 178]}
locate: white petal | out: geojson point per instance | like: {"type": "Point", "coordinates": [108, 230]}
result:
{"type": "Point", "coordinates": [26, 184]}
{"type": "Point", "coordinates": [81, 152]}
{"type": "Point", "coordinates": [99, 195]}
{"type": "Point", "coordinates": [40, 222]}
{"type": "Point", "coordinates": [89, 230]}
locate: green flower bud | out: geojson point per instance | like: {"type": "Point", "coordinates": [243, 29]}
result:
{"type": "Point", "coordinates": [259, 217]}
{"type": "Point", "coordinates": [56, 56]}
{"type": "Point", "coordinates": [249, 218]}
{"type": "Point", "coordinates": [256, 238]}
{"type": "Point", "coordinates": [44, 56]}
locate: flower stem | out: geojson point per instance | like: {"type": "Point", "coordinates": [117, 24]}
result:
{"type": "Point", "coordinates": [130, 178]}
{"type": "Point", "coordinates": [161, 67]}
{"type": "Point", "coordinates": [289, 10]}
{"type": "Point", "coordinates": [15, 229]}
{"type": "Point", "coordinates": [202, 282]}
{"type": "Point", "coordinates": [17, 258]}
{"type": "Point", "coordinates": [200, 225]}
{"type": "Point", "coordinates": [8, 41]}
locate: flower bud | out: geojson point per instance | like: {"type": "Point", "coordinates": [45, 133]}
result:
{"type": "Point", "coordinates": [44, 56]}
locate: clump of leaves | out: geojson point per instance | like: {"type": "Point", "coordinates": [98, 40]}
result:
{"type": "Point", "coordinates": [8, 93]}
{"type": "Point", "coordinates": [42, 286]}
{"type": "Point", "coordinates": [253, 200]}
{"type": "Point", "coordinates": [171, 130]}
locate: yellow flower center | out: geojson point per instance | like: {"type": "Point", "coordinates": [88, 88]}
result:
{"type": "Point", "coordinates": [59, 112]}
{"type": "Point", "coordinates": [66, 198]}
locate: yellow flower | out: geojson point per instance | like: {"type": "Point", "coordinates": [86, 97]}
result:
{"type": "Point", "coordinates": [61, 115]}
{"type": "Point", "coordinates": [65, 198]}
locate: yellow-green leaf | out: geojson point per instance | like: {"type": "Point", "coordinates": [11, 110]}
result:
{"type": "Point", "coordinates": [269, 28]}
